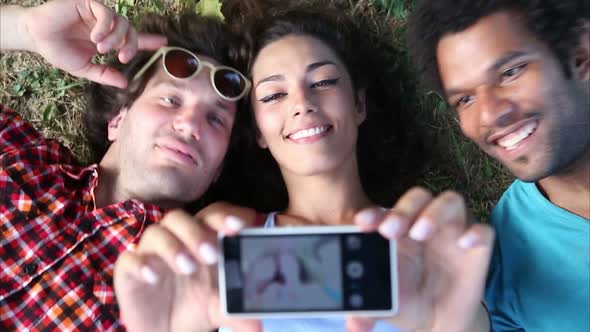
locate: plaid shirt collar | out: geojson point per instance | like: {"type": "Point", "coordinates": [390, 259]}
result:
{"type": "Point", "coordinates": [57, 251]}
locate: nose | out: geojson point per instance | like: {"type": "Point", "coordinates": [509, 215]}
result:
{"type": "Point", "coordinates": [187, 122]}
{"type": "Point", "coordinates": [496, 110]}
{"type": "Point", "coordinates": [302, 103]}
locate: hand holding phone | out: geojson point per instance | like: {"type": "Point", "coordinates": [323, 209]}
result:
{"type": "Point", "coordinates": [441, 282]}
{"type": "Point", "coordinates": [308, 272]}
{"type": "Point", "coordinates": [171, 272]}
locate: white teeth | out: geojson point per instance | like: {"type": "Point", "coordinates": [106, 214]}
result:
{"type": "Point", "coordinates": [510, 141]}
{"type": "Point", "coordinates": [308, 132]}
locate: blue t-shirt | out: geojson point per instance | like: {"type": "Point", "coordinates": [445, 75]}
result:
{"type": "Point", "coordinates": [540, 272]}
{"type": "Point", "coordinates": [310, 324]}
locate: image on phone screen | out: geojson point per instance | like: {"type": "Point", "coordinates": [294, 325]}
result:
{"type": "Point", "coordinates": [302, 273]}
{"type": "Point", "coordinates": [291, 273]}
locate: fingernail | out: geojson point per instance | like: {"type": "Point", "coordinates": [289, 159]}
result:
{"type": "Point", "coordinates": [208, 253]}
{"type": "Point", "coordinates": [124, 56]}
{"type": "Point", "coordinates": [390, 227]}
{"type": "Point", "coordinates": [104, 47]}
{"type": "Point", "coordinates": [421, 230]}
{"type": "Point", "coordinates": [149, 275]}
{"type": "Point", "coordinates": [366, 218]}
{"type": "Point", "coordinates": [467, 241]}
{"type": "Point", "coordinates": [185, 264]}
{"type": "Point", "coordinates": [234, 223]}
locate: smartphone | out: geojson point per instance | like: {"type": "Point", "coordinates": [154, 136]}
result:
{"type": "Point", "coordinates": [289, 272]}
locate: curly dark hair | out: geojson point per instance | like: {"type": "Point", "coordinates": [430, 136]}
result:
{"type": "Point", "coordinates": [201, 35]}
{"type": "Point", "coordinates": [554, 22]}
{"type": "Point", "coordinates": [389, 149]}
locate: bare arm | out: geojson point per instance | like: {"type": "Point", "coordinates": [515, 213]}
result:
{"type": "Point", "coordinates": [69, 33]}
{"type": "Point", "coordinates": [13, 33]}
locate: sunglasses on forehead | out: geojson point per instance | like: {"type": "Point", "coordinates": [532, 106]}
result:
{"type": "Point", "coordinates": [182, 64]}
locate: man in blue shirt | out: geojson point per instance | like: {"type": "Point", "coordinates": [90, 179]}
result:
{"type": "Point", "coordinates": [517, 74]}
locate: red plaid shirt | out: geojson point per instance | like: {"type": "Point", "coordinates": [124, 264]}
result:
{"type": "Point", "coordinates": [57, 250]}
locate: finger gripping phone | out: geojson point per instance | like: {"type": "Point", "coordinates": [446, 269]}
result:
{"type": "Point", "coordinates": [288, 272]}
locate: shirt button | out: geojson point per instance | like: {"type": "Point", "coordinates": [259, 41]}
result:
{"type": "Point", "coordinates": [31, 268]}
{"type": "Point", "coordinates": [86, 226]}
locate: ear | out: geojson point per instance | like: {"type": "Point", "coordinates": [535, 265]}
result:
{"type": "Point", "coordinates": [115, 124]}
{"type": "Point", "coordinates": [361, 107]}
{"type": "Point", "coordinates": [581, 70]}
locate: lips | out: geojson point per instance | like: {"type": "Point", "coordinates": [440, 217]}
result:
{"type": "Point", "coordinates": [180, 149]}
{"type": "Point", "coordinates": [309, 132]}
{"type": "Point", "coordinates": [510, 139]}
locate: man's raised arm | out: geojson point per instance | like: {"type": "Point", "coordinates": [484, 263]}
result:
{"type": "Point", "coordinates": [69, 33]}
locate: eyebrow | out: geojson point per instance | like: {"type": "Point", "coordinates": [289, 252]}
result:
{"type": "Point", "coordinates": [501, 62]}
{"type": "Point", "coordinates": [311, 67]}
{"type": "Point", "coordinates": [173, 83]}
{"type": "Point", "coordinates": [507, 59]}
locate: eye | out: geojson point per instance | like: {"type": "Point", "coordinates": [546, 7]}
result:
{"type": "Point", "coordinates": [513, 72]}
{"type": "Point", "coordinates": [464, 102]}
{"type": "Point", "coordinates": [215, 119]}
{"type": "Point", "coordinates": [324, 83]}
{"type": "Point", "coordinates": [170, 101]}
{"type": "Point", "coordinates": [272, 97]}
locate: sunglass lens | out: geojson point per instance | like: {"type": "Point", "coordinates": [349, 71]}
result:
{"type": "Point", "coordinates": [180, 63]}
{"type": "Point", "coordinates": [229, 83]}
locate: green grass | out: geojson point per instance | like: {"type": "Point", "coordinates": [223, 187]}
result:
{"type": "Point", "coordinates": [52, 101]}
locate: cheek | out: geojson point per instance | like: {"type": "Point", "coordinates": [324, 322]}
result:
{"type": "Point", "coordinates": [469, 125]}
{"type": "Point", "coordinates": [269, 123]}
{"type": "Point", "coordinates": [218, 143]}
{"type": "Point", "coordinates": [149, 120]}
{"type": "Point", "coordinates": [341, 105]}
{"type": "Point", "coordinates": [542, 87]}
{"type": "Point", "coordinates": [531, 90]}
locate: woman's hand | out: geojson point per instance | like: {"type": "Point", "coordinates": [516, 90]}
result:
{"type": "Point", "coordinates": [169, 282]}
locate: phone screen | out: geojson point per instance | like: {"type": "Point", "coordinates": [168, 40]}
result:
{"type": "Point", "coordinates": [307, 273]}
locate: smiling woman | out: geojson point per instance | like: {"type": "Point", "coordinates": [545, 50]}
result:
{"type": "Point", "coordinates": [331, 133]}
{"type": "Point", "coordinates": [325, 96]}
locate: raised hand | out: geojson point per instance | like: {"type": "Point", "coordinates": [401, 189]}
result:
{"type": "Point", "coordinates": [68, 33]}
{"type": "Point", "coordinates": [169, 282]}
{"type": "Point", "coordinates": [443, 262]}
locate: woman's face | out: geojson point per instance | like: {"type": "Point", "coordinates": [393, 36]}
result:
{"type": "Point", "coordinates": [305, 106]}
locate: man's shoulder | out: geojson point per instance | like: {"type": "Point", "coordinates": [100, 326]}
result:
{"type": "Point", "coordinates": [15, 131]}
{"type": "Point", "coordinates": [20, 141]}
{"type": "Point", "coordinates": [515, 202]}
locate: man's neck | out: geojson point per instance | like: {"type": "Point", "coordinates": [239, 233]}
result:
{"type": "Point", "coordinates": [106, 192]}
{"type": "Point", "coordinates": [570, 189]}
{"type": "Point", "coordinates": [110, 190]}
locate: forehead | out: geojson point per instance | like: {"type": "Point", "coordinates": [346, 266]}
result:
{"type": "Point", "coordinates": [292, 52]}
{"type": "Point", "coordinates": [477, 48]}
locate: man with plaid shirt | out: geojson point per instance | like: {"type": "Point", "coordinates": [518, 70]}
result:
{"type": "Point", "coordinates": [63, 224]}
